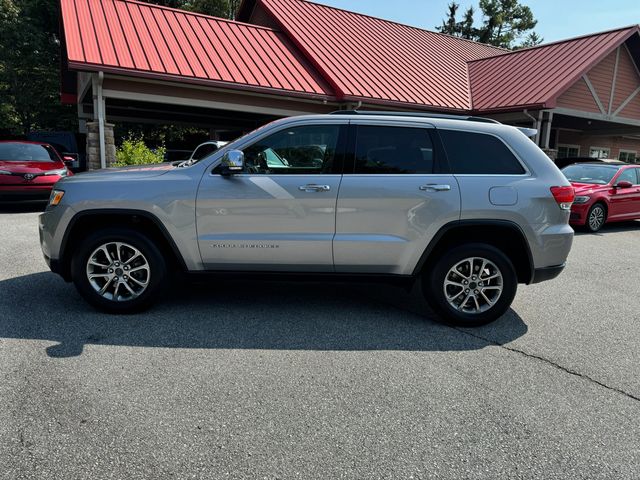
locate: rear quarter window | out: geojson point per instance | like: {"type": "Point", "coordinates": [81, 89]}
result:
{"type": "Point", "coordinates": [471, 153]}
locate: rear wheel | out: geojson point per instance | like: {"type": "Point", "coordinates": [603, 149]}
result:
{"type": "Point", "coordinates": [471, 285]}
{"type": "Point", "coordinates": [596, 218]}
{"type": "Point", "coordinates": [119, 270]}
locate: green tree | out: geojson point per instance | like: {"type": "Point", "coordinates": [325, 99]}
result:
{"type": "Point", "coordinates": [216, 8]}
{"type": "Point", "coordinates": [504, 22]}
{"type": "Point", "coordinates": [531, 40]}
{"type": "Point", "coordinates": [30, 67]}
{"type": "Point", "coordinates": [30, 60]}
{"type": "Point", "coordinates": [452, 26]}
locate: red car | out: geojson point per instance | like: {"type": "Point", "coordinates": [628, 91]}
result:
{"type": "Point", "coordinates": [29, 170]}
{"type": "Point", "coordinates": [605, 192]}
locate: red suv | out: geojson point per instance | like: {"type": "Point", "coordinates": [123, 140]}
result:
{"type": "Point", "coordinates": [605, 192]}
{"type": "Point", "coordinates": [29, 170]}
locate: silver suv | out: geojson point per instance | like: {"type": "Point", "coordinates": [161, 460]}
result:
{"type": "Point", "coordinates": [468, 206]}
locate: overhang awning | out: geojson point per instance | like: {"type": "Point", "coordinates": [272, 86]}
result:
{"type": "Point", "coordinates": [139, 39]}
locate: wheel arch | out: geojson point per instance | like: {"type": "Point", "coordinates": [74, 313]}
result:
{"type": "Point", "coordinates": [144, 222]}
{"type": "Point", "coordinates": [502, 234]}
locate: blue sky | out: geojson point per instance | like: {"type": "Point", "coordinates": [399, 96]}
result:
{"type": "Point", "coordinates": [557, 19]}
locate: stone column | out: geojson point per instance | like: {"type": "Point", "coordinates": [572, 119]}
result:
{"type": "Point", "coordinates": [93, 145]}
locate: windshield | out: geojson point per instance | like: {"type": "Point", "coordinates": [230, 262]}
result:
{"type": "Point", "coordinates": [594, 174]}
{"type": "Point", "coordinates": [27, 152]}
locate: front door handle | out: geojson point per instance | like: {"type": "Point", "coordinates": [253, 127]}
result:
{"type": "Point", "coordinates": [314, 188]}
{"type": "Point", "coordinates": [434, 187]}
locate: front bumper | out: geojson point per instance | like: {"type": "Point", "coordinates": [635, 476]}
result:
{"type": "Point", "coordinates": [52, 224]}
{"type": "Point", "coordinates": [40, 193]}
{"type": "Point", "coordinates": [579, 213]}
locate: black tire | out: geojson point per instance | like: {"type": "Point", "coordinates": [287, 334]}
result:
{"type": "Point", "coordinates": [433, 285]}
{"type": "Point", "coordinates": [155, 279]}
{"type": "Point", "coordinates": [599, 211]}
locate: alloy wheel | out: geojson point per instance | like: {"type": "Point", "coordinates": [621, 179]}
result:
{"type": "Point", "coordinates": [596, 218]}
{"type": "Point", "coordinates": [473, 285]}
{"type": "Point", "coordinates": [118, 271]}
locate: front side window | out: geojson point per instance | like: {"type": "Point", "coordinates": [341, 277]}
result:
{"type": "Point", "coordinates": [628, 175]}
{"type": "Point", "coordinates": [471, 153]}
{"type": "Point", "coordinates": [393, 150]}
{"type": "Point", "coordinates": [296, 150]}
{"type": "Point", "coordinates": [27, 152]}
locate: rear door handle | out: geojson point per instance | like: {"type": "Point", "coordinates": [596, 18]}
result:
{"type": "Point", "coordinates": [434, 187]}
{"type": "Point", "coordinates": [314, 188]}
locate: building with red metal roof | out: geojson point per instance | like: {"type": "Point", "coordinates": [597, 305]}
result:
{"type": "Point", "coordinates": [129, 61]}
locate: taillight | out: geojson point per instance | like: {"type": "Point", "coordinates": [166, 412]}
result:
{"type": "Point", "coordinates": [564, 196]}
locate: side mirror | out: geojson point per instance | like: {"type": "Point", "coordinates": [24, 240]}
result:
{"type": "Point", "coordinates": [232, 162]}
{"type": "Point", "coordinates": [70, 160]}
{"type": "Point", "coordinates": [624, 184]}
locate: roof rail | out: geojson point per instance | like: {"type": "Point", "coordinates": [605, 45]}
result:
{"type": "Point", "coordinates": [415, 114]}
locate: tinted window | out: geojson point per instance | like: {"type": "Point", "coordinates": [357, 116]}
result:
{"type": "Point", "coordinates": [393, 150]}
{"type": "Point", "coordinates": [628, 176]}
{"type": "Point", "coordinates": [298, 150]}
{"type": "Point", "coordinates": [477, 153]}
{"type": "Point", "coordinates": [594, 174]}
{"type": "Point", "coordinates": [27, 152]}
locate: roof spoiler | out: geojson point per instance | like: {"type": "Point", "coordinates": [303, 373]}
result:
{"type": "Point", "coordinates": [415, 114]}
{"type": "Point", "coordinates": [529, 132]}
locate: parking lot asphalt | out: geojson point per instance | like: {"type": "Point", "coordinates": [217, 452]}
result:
{"type": "Point", "coordinates": [305, 380]}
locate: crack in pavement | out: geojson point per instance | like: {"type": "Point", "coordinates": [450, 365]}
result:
{"type": "Point", "coordinates": [512, 349]}
{"type": "Point", "coordinates": [550, 362]}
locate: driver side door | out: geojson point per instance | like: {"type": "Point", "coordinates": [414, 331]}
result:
{"type": "Point", "coordinates": [625, 202]}
{"type": "Point", "coordinates": [279, 213]}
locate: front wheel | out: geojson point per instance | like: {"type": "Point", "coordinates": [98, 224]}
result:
{"type": "Point", "coordinates": [471, 285]}
{"type": "Point", "coordinates": [596, 218]}
{"type": "Point", "coordinates": [119, 270]}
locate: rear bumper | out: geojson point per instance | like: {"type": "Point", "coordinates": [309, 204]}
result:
{"type": "Point", "coordinates": [547, 273]}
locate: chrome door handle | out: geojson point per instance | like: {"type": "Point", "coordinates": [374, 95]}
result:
{"type": "Point", "coordinates": [314, 188]}
{"type": "Point", "coordinates": [434, 187]}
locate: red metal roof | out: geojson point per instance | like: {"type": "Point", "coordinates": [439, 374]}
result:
{"type": "Point", "coordinates": [535, 77]}
{"type": "Point", "coordinates": [370, 59]}
{"type": "Point", "coordinates": [139, 38]}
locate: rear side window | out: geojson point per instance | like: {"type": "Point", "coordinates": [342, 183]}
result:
{"type": "Point", "coordinates": [479, 154]}
{"type": "Point", "coordinates": [393, 150]}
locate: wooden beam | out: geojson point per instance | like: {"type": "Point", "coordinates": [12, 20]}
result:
{"type": "Point", "coordinates": [626, 102]}
{"type": "Point", "coordinates": [593, 93]}
{"type": "Point", "coordinates": [615, 79]}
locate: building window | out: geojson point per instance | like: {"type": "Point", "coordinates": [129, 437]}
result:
{"type": "Point", "coordinates": [628, 156]}
{"type": "Point", "coordinates": [599, 152]}
{"type": "Point", "coordinates": [568, 151]}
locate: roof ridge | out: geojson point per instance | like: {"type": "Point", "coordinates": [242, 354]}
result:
{"type": "Point", "coordinates": [195, 14]}
{"type": "Point", "coordinates": [557, 42]}
{"type": "Point", "coordinates": [403, 25]}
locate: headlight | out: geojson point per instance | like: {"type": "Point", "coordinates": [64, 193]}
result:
{"type": "Point", "coordinates": [582, 199]}
{"type": "Point", "coordinates": [5, 172]}
{"type": "Point", "coordinates": [56, 197]}
{"type": "Point", "coordinates": [63, 172]}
